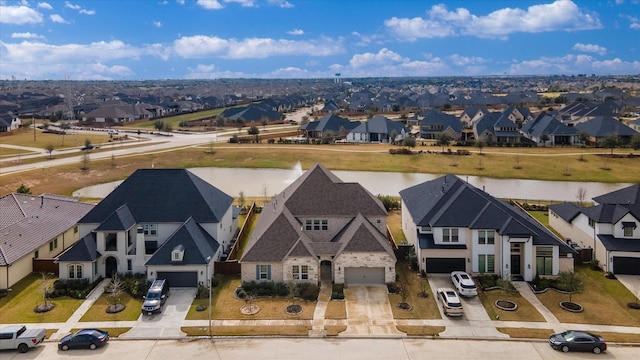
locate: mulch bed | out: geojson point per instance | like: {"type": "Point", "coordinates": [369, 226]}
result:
{"type": "Point", "coordinates": [112, 309]}
{"type": "Point", "coordinates": [294, 309]}
{"type": "Point", "coordinates": [44, 308]}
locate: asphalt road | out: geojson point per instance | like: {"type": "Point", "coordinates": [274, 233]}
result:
{"type": "Point", "coordinates": [305, 348]}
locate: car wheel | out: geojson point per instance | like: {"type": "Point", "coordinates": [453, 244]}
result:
{"type": "Point", "coordinates": [23, 348]}
{"type": "Point", "coordinates": [65, 347]}
{"type": "Point", "coordinates": [565, 348]}
{"type": "Point", "coordinates": [92, 346]}
{"type": "Point", "coordinates": [597, 350]}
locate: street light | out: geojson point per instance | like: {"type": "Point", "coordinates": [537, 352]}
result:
{"type": "Point", "coordinates": [209, 286]}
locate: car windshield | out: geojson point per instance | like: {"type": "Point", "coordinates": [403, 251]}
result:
{"type": "Point", "coordinates": [153, 296]}
{"type": "Point", "coordinates": [468, 286]}
{"type": "Point", "coordinates": [568, 335]}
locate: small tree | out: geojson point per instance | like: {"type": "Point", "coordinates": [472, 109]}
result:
{"type": "Point", "coordinates": [293, 286]}
{"type": "Point", "coordinates": [253, 130]}
{"type": "Point", "coordinates": [49, 148]}
{"type": "Point", "coordinates": [305, 119]}
{"type": "Point", "coordinates": [570, 282]}
{"type": "Point", "coordinates": [409, 142]}
{"type": "Point", "coordinates": [241, 199]}
{"type": "Point", "coordinates": [393, 135]}
{"type": "Point", "coordinates": [115, 288]}
{"type": "Point", "coordinates": [45, 286]}
{"type": "Point", "coordinates": [23, 189]}
{"type": "Point", "coordinates": [158, 125]}
{"type": "Point", "coordinates": [64, 127]}
{"type": "Point", "coordinates": [584, 137]}
{"type": "Point", "coordinates": [479, 144]}
{"type": "Point", "coordinates": [581, 194]}
{"type": "Point", "coordinates": [87, 144]}
{"type": "Point", "coordinates": [544, 139]}
{"type": "Point", "coordinates": [85, 160]}
{"type": "Point", "coordinates": [609, 142]}
{"type": "Point", "coordinates": [635, 142]}
{"type": "Point", "coordinates": [443, 139]}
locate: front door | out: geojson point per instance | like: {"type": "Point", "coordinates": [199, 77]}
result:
{"type": "Point", "coordinates": [325, 271]}
{"type": "Point", "coordinates": [515, 265]}
{"type": "Point", "coordinates": [111, 266]}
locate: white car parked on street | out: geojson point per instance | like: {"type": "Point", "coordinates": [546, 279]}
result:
{"type": "Point", "coordinates": [464, 284]}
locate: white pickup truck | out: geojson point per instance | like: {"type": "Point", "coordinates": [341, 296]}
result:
{"type": "Point", "coordinates": [21, 338]}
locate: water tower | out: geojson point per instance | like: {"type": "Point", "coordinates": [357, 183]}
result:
{"type": "Point", "coordinates": [337, 79]}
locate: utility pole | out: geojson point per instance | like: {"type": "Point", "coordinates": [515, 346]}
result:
{"type": "Point", "coordinates": [33, 122]}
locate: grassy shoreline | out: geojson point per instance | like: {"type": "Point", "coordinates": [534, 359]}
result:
{"type": "Point", "coordinates": [559, 164]}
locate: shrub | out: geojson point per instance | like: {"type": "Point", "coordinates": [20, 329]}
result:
{"type": "Point", "coordinates": [308, 291]}
{"type": "Point", "coordinates": [488, 280]}
{"type": "Point", "coordinates": [337, 292]}
{"type": "Point", "coordinates": [75, 288]}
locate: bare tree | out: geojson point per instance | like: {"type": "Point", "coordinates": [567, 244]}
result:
{"type": "Point", "coordinates": [241, 199]}
{"type": "Point", "coordinates": [49, 148]}
{"type": "Point", "coordinates": [115, 287]}
{"type": "Point", "coordinates": [581, 194]}
{"type": "Point", "coordinates": [45, 286]}
{"type": "Point", "coordinates": [293, 286]}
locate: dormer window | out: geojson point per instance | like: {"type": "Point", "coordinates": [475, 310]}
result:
{"type": "Point", "coordinates": [628, 228]}
{"type": "Point", "coordinates": [177, 254]}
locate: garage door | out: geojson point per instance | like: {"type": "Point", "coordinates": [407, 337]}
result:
{"type": "Point", "coordinates": [444, 265]}
{"type": "Point", "coordinates": [626, 265]}
{"type": "Point", "coordinates": [180, 279]}
{"type": "Point", "coordinates": [364, 276]}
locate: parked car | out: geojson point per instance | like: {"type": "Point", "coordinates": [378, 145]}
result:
{"type": "Point", "coordinates": [20, 338]}
{"type": "Point", "coordinates": [451, 305]}
{"type": "Point", "coordinates": [84, 339]}
{"type": "Point", "coordinates": [577, 340]}
{"type": "Point", "coordinates": [156, 297]}
{"type": "Point", "coordinates": [464, 284]}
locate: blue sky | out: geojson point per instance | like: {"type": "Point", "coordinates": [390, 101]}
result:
{"type": "Point", "coordinates": [211, 39]}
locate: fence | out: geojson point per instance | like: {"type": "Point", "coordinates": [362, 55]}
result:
{"type": "Point", "coordinates": [46, 265]}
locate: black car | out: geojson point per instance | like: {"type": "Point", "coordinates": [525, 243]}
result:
{"type": "Point", "coordinates": [84, 339]}
{"type": "Point", "coordinates": [576, 340]}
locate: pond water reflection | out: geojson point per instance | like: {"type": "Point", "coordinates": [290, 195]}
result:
{"type": "Point", "coordinates": [258, 182]}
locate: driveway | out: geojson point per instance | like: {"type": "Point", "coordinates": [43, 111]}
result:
{"type": "Point", "coordinates": [474, 322]}
{"type": "Point", "coordinates": [167, 323]}
{"type": "Point", "coordinates": [369, 312]}
{"type": "Point", "coordinates": [631, 282]}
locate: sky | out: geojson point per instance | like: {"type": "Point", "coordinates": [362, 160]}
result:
{"type": "Point", "coordinates": [213, 39]}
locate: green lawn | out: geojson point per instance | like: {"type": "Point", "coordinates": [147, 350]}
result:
{"type": "Point", "coordinates": [18, 307]}
{"type": "Point", "coordinates": [524, 312]}
{"type": "Point", "coordinates": [98, 311]}
{"type": "Point", "coordinates": [422, 308]}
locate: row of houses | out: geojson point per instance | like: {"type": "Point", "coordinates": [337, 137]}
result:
{"type": "Point", "coordinates": [319, 228]}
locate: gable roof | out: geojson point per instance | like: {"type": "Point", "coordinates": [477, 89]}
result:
{"type": "Point", "coordinates": [85, 250]}
{"type": "Point", "coordinates": [163, 195]}
{"type": "Point", "coordinates": [28, 222]}
{"type": "Point", "coordinates": [279, 233]}
{"type": "Point", "coordinates": [449, 201]}
{"type": "Point", "coordinates": [196, 242]}
{"type": "Point", "coordinates": [547, 124]}
{"type": "Point", "coordinates": [601, 126]}
{"type": "Point", "coordinates": [380, 125]}
{"type": "Point", "coordinates": [330, 122]}
{"type": "Point", "coordinates": [440, 118]}
{"type": "Point", "coordinates": [627, 195]}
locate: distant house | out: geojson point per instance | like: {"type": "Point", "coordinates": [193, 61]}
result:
{"type": "Point", "coordinates": [378, 129]}
{"type": "Point", "coordinates": [321, 229]}
{"type": "Point", "coordinates": [253, 115]}
{"type": "Point", "coordinates": [600, 127]}
{"type": "Point", "coordinates": [34, 230]}
{"type": "Point", "coordinates": [9, 122]}
{"type": "Point", "coordinates": [167, 223]}
{"type": "Point", "coordinates": [330, 125]}
{"type": "Point", "coordinates": [635, 124]}
{"type": "Point", "coordinates": [496, 128]}
{"type": "Point", "coordinates": [611, 228]}
{"type": "Point", "coordinates": [455, 226]}
{"type": "Point", "coordinates": [472, 113]}
{"type": "Point", "coordinates": [546, 130]}
{"type": "Point", "coordinates": [435, 122]}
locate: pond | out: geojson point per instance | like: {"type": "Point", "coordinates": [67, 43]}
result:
{"type": "Point", "coordinates": [268, 182]}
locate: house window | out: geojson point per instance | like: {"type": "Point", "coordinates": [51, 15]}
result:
{"type": "Point", "coordinates": [95, 267]}
{"type": "Point", "coordinates": [316, 224]}
{"type": "Point", "coordinates": [450, 235]}
{"type": "Point", "coordinates": [129, 265]}
{"type": "Point", "coordinates": [592, 223]}
{"type": "Point", "coordinates": [486, 263]}
{"type": "Point", "coordinates": [75, 271]}
{"type": "Point", "coordinates": [544, 260]}
{"type": "Point", "coordinates": [111, 242]}
{"type": "Point", "coordinates": [486, 237]}
{"type": "Point", "coordinates": [150, 229]}
{"type": "Point", "coordinates": [263, 272]}
{"type": "Point", "coordinates": [300, 272]}
{"type": "Point", "coordinates": [75, 229]}
{"type": "Point", "coordinates": [36, 254]}
{"type": "Point", "coordinates": [628, 228]}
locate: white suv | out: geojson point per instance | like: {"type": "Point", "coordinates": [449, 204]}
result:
{"type": "Point", "coordinates": [464, 284]}
{"type": "Point", "coordinates": [451, 304]}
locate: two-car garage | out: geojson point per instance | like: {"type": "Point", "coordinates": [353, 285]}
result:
{"type": "Point", "coordinates": [624, 265]}
{"type": "Point", "coordinates": [179, 278]}
{"type": "Point", "coordinates": [444, 265]}
{"type": "Point", "coordinates": [364, 276]}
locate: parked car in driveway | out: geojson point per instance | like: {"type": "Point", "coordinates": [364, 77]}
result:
{"type": "Point", "coordinates": [84, 339]}
{"type": "Point", "coordinates": [451, 305]}
{"type": "Point", "coordinates": [576, 340]}
{"type": "Point", "coordinates": [464, 284]}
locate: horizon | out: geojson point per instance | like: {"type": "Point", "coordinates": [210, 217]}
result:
{"type": "Point", "coordinates": [297, 40]}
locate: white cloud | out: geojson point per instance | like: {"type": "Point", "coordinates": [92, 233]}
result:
{"type": "Point", "coordinates": [388, 63]}
{"type": "Point", "coordinates": [72, 6]}
{"type": "Point", "coordinates": [253, 48]}
{"type": "Point", "coordinates": [573, 64]}
{"type": "Point", "coordinates": [243, 3]}
{"type": "Point", "coordinates": [210, 4]}
{"type": "Point", "coordinates": [19, 15]}
{"type": "Point", "coordinates": [295, 32]}
{"type": "Point", "coordinates": [383, 57]}
{"type": "Point", "coordinates": [561, 15]}
{"type": "Point", "coordinates": [157, 24]}
{"type": "Point", "coordinates": [635, 26]}
{"type": "Point", "coordinates": [281, 3]}
{"type": "Point", "coordinates": [590, 48]}
{"type": "Point", "coordinates": [180, 2]}
{"type": "Point", "coordinates": [44, 5]}
{"type": "Point", "coordinates": [460, 60]}
{"type": "Point", "coordinates": [26, 35]}
{"type": "Point", "coordinates": [57, 19]}
{"type": "Point", "coordinates": [87, 12]}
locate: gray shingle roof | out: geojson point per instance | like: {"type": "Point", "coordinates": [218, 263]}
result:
{"type": "Point", "coordinates": [84, 250]}
{"type": "Point", "coordinates": [196, 242]}
{"type": "Point", "coordinates": [163, 195]}
{"type": "Point", "coordinates": [601, 126]}
{"type": "Point", "coordinates": [28, 222]}
{"type": "Point", "coordinates": [627, 195]}
{"type": "Point", "coordinates": [449, 201]}
{"type": "Point", "coordinates": [567, 211]}
{"type": "Point", "coordinates": [616, 244]}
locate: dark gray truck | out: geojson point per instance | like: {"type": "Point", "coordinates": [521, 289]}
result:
{"type": "Point", "coordinates": [20, 338]}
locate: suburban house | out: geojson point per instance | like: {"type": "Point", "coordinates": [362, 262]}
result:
{"type": "Point", "coordinates": [496, 128]}
{"type": "Point", "coordinates": [321, 229]}
{"type": "Point", "coordinates": [33, 231]}
{"type": "Point", "coordinates": [600, 127]}
{"type": "Point", "coordinates": [455, 226]}
{"type": "Point", "coordinates": [472, 113]}
{"type": "Point", "coordinates": [546, 130]}
{"type": "Point", "coordinates": [9, 122]}
{"type": "Point", "coordinates": [378, 129]}
{"type": "Point", "coordinates": [329, 126]}
{"type": "Point", "coordinates": [611, 228]}
{"type": "Point", "coordinates": [435, 122]}
{"type": "Point", "coordinates": [167, 223]}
